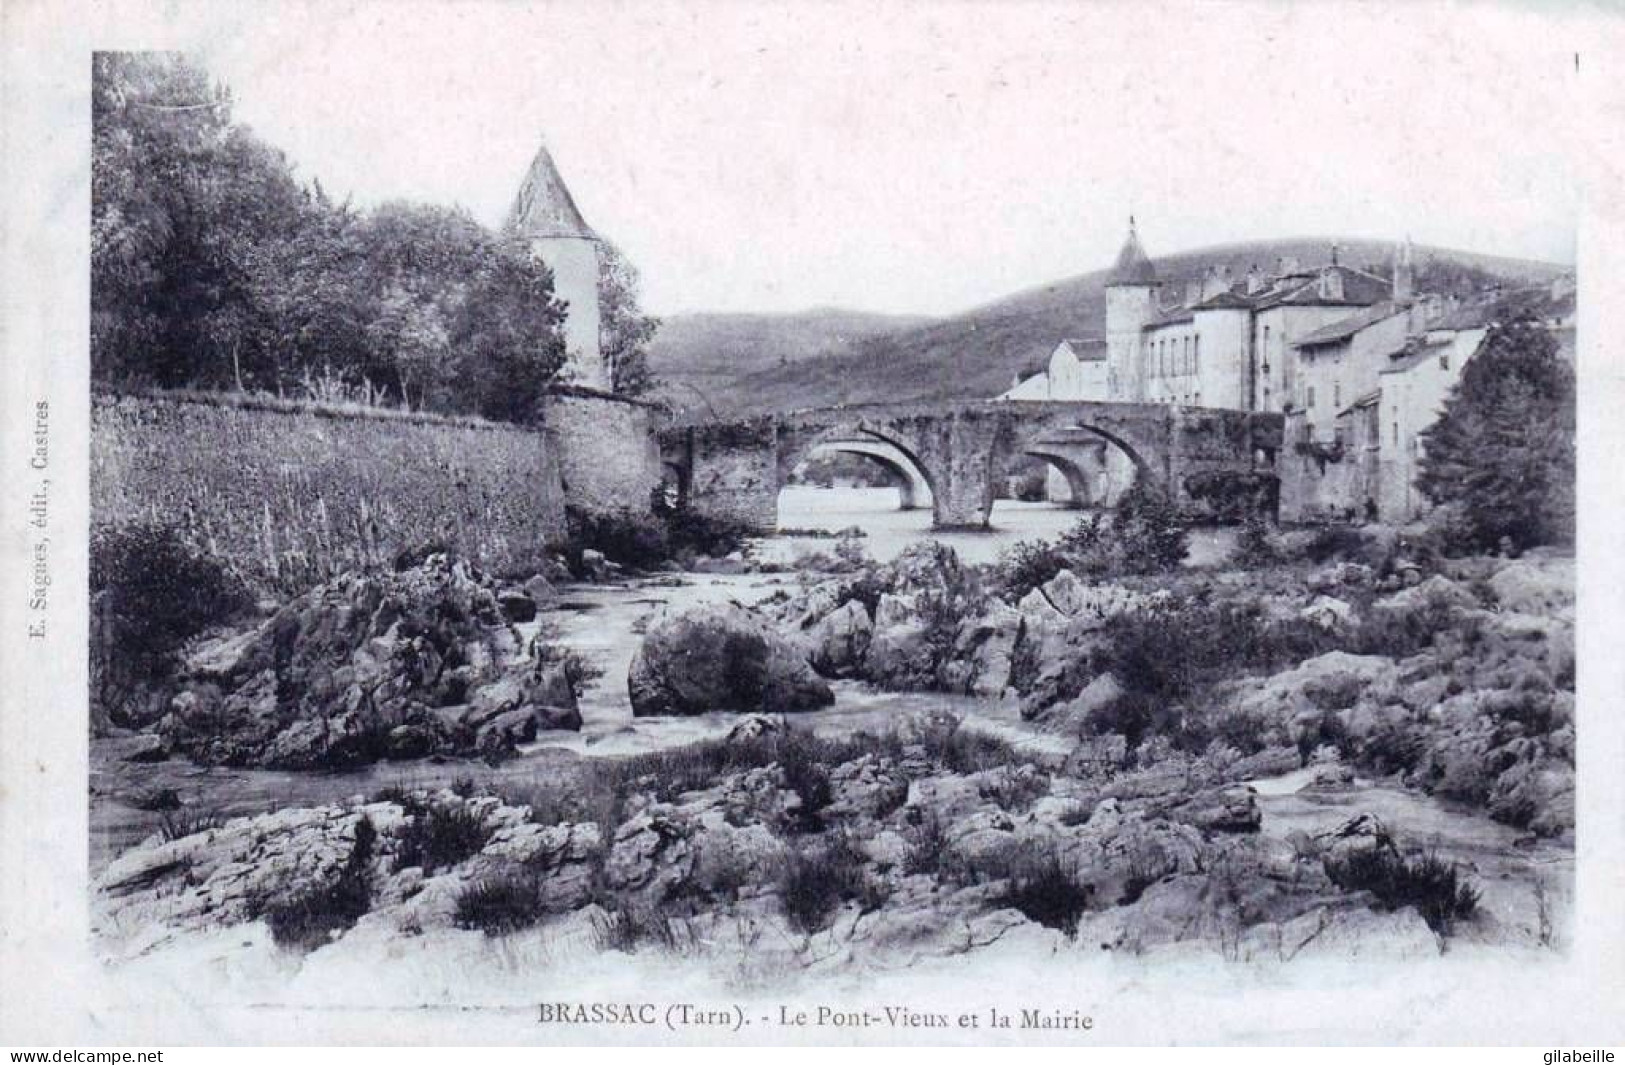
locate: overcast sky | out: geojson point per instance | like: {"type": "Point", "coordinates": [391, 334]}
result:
{"type": "Point", "coordinates": [926, 158]}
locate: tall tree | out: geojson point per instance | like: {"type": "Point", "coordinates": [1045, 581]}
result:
{"type": "Point", "coordinates": [1502, 452]}
{"type": "Point", "coordinates": [212, 267]}
{"type": "Point", "coordinates": [183, 205]}
{"type": "Point", "coordinates": [625, 330]}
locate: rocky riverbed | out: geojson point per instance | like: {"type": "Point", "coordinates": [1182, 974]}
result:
{"type": "Point", "coordinates": [950, 771]}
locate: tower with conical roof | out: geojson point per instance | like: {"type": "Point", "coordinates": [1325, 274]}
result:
{"type": "Point", "coordinates": [1130, 303]}
{"type": "Point", "coordinates": [544, 215]}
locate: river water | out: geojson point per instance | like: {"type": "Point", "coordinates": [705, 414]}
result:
{"type": "Point", "coordinates": [605, 623]}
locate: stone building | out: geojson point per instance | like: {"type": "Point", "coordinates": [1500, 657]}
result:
{"type": "Point", "coordinates": [545, 216]}
{"type": "Point", "coordinates": [607, 454]}
{"type": "Point", "coordinates": [1076, 369]}
{"type": "Point", "coordinates": [1221, 341]}
{"type": "Point", "coordinates": [1359, 364]}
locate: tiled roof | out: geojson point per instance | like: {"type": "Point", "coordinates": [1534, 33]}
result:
{"type": "Point", "coordinates": [544, 207]}
{"type": "Point", "coordinates": [1087, 349]}
{"type": "Point", "coordinates": [1344, 328]}
{"type": "Point", "coordinates": [1228, 300]}
{"type": "Point", "coordinates": [1170, 316]}
{"type": "Point", "coordinates": [1133, 266]}
{"type": "Point", "coordinates": [1359, 289]}
{"type": "Point", "coordinates": [1413, 354]}
{"type": "Point", "coordinates": [1470, 316]}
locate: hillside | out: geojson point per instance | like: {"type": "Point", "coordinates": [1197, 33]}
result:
{"type": "Point", "coordinates": [977, 353]}
{"type": "Point", "coordinates": [711, 352]}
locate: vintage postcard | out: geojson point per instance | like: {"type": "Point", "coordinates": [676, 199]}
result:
{"type": "Point", "coordinates": [802, 523]}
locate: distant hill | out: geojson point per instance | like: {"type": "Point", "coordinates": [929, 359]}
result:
{"type": "Point", "coordinates": [709, 353]}
{"type": "Point", "coordinates": [780, 362]}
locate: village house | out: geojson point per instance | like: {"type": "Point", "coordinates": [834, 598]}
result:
{"type": "Point", "coordinates": [1075, 370]}
{"type": "Point", "coordinates": [1360, 365]}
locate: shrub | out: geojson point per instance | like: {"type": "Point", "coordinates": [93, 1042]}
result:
{"type": "Point", "coordinates": [311, 919]}
{"type": "Point", "coordinates": [1334, 542]}
{"type": "Point", "coordinates": [644, 540]}
{"type": "Point", "coordinates": [850, 552]}
{"type": "Point", "coordinates": [1044, 890]}
{"type": "Point", "coordinates": [689, 530]}
{"type": "Point", "coordinates": [624, 928]}
{"type": "Point", "coordinates": [546, 652]}
{"type": "Point", "coordinates": [817, 881]}
{"type": "Point", "coordinates": [1429, 883]}
{"type": "Point", "coordinates": [1027, 565]}
{"type": "Point", "coordinates": [962, 751]}
{"type": "Point", "coordinates": [438, 837]}
{"type": "Point", "coordinates": [151, 592]}
{"type": "Point", "coordinates": [501, 903]}
{"type": "Point", "coordinates": [626, 538]}
{"type": "Point", "coordinates": [927, 848]}
{"type": "Point", "coordinates": [1256, 548]}
{"type": "Point", "coordinates": [187, 821]}
{"type": "Point", "coordinates": [945, 603]}
{"type": "Point", "coordinates": [1144, 535]}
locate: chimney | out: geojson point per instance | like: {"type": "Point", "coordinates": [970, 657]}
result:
{"type": "Point", "coordinates": [1334, 254]}
{"type": "Point", "coordinates": [1193, 292]}
{"type": "Point", "coordinates": [1255, 279]}
{"type": "Point", "coordinates": [1404, 273]}
{"type": "Point", "coordinates": [1216, 281]}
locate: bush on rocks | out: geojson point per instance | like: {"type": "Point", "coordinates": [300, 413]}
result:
{"type": "Point", "coordinates": [151, 592]}
{"type": "Point", "coordinates": [314, 917]}
{"type": "Point", "coordinates": [372, 666]}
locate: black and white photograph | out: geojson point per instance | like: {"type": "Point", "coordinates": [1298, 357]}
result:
{"type": "Point", "coordinates": [812, 523]}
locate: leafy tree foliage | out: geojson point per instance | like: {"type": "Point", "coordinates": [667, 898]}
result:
{"type": "Point", "coordinates": [625, 330]}
{"type": "Point", "coordinates": [1501, 455]}
{"type": "Point", "coordinates": [213, 267]}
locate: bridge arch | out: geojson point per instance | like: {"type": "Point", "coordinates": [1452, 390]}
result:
{"type": "Point", "coordinates": [913, 489]}
{"type": "Point", "coordinates": [917, 481]}
{"type": "Point", "coordinates": [1097, 463]}
{"type": "Point", "coordinates": [1079, 483]}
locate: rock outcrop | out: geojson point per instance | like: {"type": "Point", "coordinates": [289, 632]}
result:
{"type": "Point", "coordinates": [721, 658]}
{"type": "Point", "coordinates": [369, 666]}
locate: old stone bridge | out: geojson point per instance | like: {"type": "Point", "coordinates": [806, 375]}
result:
{"type": "Point", "coordinates": [958, 451]}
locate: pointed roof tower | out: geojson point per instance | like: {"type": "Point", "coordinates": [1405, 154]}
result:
{"type": "Point", "coordinates": [544, 206]}
{"type": "Point", "coordinates": [1133, 266]}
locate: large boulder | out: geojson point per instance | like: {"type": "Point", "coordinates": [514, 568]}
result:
{"type": "Point", "coordinates": [838, 641]}
{"type": "Point", "coordinates": [1332, 681]}
{"type": "Point", "coordinates": [1437, 594]}
{"type": "Point", "coordinates": [721, 657]}
{"type": "Point", "coordinates": [984, 652]}
{"type": "Point", "coordinates": [1543, 587]}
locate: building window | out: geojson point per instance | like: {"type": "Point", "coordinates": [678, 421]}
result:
{"type": "Point", "coordinates": [1444, 361]}
{"type": "Point", "coordinates": [1196, 357]}
{"type": "Point", "coordinates": [1337, 395]}
{"type": "Point", "coordinates": [1309, 401]}
{"type": "Point", "coordinates": [1396, 434]}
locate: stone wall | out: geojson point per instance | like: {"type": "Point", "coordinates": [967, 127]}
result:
{"type": "Point", "coordinates": [1322, 482]}
{"type": "Point", "coordinates": [608, 456]}
{"type": "Point", "coordinates": [735, 472]}
{"type": "Point", "coordinates": [292, 493]}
